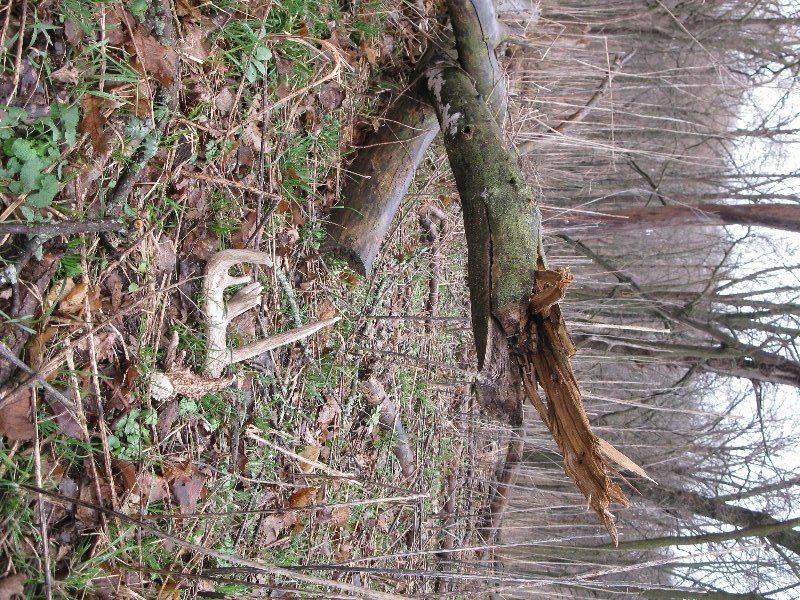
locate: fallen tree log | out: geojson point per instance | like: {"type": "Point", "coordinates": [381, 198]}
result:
{"type": "Point", "coordinates": [383, 170]}
{"type": "Point", "coordinates": [520, 336]}
{"type": "Point", "coordinates": [378, 180]}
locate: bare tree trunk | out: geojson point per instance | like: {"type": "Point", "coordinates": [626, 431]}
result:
{"type": "Point", "coordinates": [520, 335]}
{"type": "Point", "coordinates": [765, 530]}
{"type": "Point", "coordinates": [775, 216]}
{"type": "Point", "coordinates": [723, 512]}
{"type": "Point", "coordinates": [769, 368]}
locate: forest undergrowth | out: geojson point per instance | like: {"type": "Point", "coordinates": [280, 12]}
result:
{"type": "Point", "coordinates": [167, 132]}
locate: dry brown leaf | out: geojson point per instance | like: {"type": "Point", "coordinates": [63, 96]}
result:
{"type": "Point", "coordinates": [154, 486]}
{"type": "Point", "coordinates": [15, 418]}
{"type": "Point", "coordinates": [240, 238]}
{"type": "Point", "coordinates": [340, 516]}
{"type": "Point", "coordinates": [326, 309]}
{"type": "Point", "coordinates": [224, 101]}
{"type": "Point", "coordinates": [93, 122]}
{"type": "Point", "coordinates": [194, 44]}
{"type": "Point", "coordinates": [72, 304]}
{"type": "Point", "coordinates": [154, 58]}
{"type": "Point", "coordinates": [187, 484]}
{"type": "Point", "coordinates": [11, 586]}
{"type": "Point", "coordinates": [67, 423]}
{"type": "Point", "coordinates": [369, 53]}
{"type": "Point", "coordinates": [66, 74]}
{"type": "Point", "coordinates": [37, 345]}
{"type": "Point", "coordinates": [311, 453]}
{"type": "Point", "coordinates": [303, 497]}
{"type": "Point", "coordinates": [331, 96]}
{"type": "Point", "coordinates": [187, 8]}
{"type": "Point", "coordinates": [188, 383]}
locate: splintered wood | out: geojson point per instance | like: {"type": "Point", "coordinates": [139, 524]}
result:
{"type": "Point", "coordinates": [544, 357]}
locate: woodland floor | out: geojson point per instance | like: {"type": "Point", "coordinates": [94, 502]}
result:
{"type": "Point", "coordinates": [97, 314]}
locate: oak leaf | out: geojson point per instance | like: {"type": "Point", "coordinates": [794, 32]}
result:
{"type": "Point", "coordinates": [93, 122]}
{"type": "Point", "coordinates": [311, 453]}
{"type": "Point", "coordinates": [303, 497]}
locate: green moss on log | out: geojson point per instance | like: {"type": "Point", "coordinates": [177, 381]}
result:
{"type": "Point", "coordinates": [501, 215]}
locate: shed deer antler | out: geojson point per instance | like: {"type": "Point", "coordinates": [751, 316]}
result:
{"type": "Point", "coordinates": [219, 314]}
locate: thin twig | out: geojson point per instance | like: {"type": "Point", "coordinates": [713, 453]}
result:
{"type": "Point", "coordinates": [20, 45]}
{"type": "Point", "coordinates": [8, 397]}
{"type": "Point", "coordinates": [60, 228]}
{"type": "Point", "coordinates": [251, 433]}
{"type": "Point", "coordinates": [37, 462]}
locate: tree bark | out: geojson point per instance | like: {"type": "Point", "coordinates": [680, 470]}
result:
{"type": "Point", "coordinates": [501, 215]}
{"type": "Point", "coordinates": [477, 34]}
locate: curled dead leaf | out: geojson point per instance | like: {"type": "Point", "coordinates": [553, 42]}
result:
{"type": "Point", "coordinates": [93, 122]}
{"type": "Point", "coordinates": [73, 302]}
{"type": "Point", "coordinates": [143, 483]}
{"type": "Point", "coordinates": [37, 345]}
{"type": "Point", "coordinates": [187, 484]}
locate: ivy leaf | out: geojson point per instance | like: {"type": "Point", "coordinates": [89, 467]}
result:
{"type": "Point", "coordinates": [48, 188]}
{"type": "Point", "coordinates": [23, 150]}
{"type": "Point", "coordinates": [70, 116]}
{"type": "Point", "coordinates": [30, 175]}
{"type": "Point", "coordinates": [251, 73]}
{"type": "Point", "coordinates": [28, 214]}
{"type": "Point", "coordinates": [262, 53]}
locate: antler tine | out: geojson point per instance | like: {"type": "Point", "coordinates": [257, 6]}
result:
{"type": "Point", "coordinates": [219, 315]}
